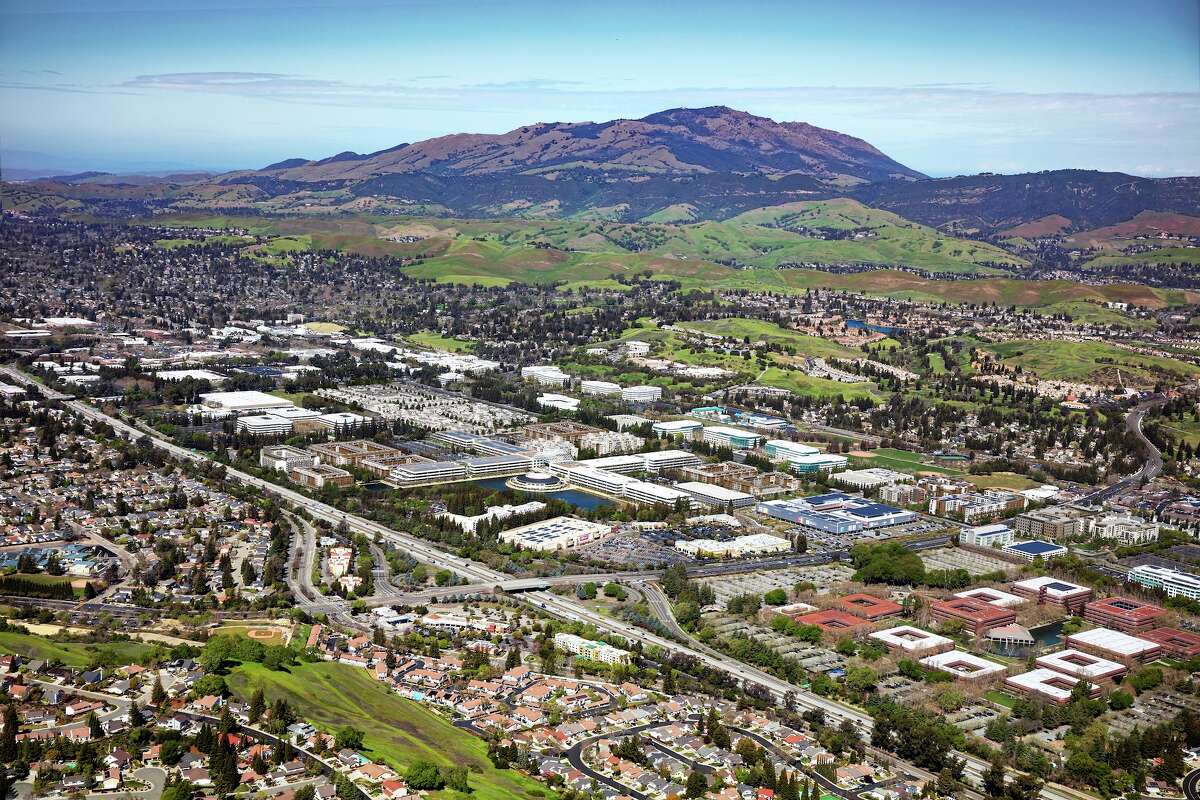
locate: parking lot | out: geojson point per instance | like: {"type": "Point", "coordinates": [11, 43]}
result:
{"type": "Point", "coordinates": [813, 657]}
{"type": "Point", "coordinates": [634, 550]}
{"type": "Point", "coordinates": [727, 586]}
{"type": "Point", "coordinates": [957, 558]}
{"type": "Point", "coordinates": [820, 541]}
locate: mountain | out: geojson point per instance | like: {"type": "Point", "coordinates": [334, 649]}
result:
{"type": "Point", "coordinates": [680, 141]}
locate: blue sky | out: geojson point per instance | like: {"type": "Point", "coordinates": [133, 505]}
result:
{"type": "Point", "coordinates": [945, 87]}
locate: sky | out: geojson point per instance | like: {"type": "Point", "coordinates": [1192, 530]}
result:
{"type": "Point", "coordinates": [948, 88]}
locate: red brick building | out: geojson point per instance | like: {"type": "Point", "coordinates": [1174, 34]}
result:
{"type": "Point", "coordinates": [1176, 643]}
{"type": "Point", "coordinates": [1123, 614]}
{"type": "Point", "coordinates": [869, 607]}
{"type": "Point", "coordinates": [978, 616]}
{"type": "Point", "coordinates": [834, 622]}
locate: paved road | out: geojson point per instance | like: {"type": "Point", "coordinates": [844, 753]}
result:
{"type": "Point", "coordinates": [1191, 785]}
{"type": "Point", "coordinates": [1151, 468]}
{"type": "Point", "coordinates": [561, 607]}
{"type": "Point", "coordinates": [155, 776]}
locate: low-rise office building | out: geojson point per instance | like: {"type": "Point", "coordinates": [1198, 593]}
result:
{"type": "Point", "coordinates": [558, 533]}
{"type": "Point", "coordinates": [1123, 614]}
{"type": "Point", "coordinates": [752, 545]}
{"type": "Point", "coordinates": [1035, 549]}
{"type": "Point", "coordinates": [912, 642]}
{"type": "Point", "coordinates": [1045, 590]}
{"type": "Point", "coordinates": [263, 425]}
{"type": "Point", "coordinates": [1081, 665]}
{"type": "Point", "coordinates": [1173, 582]}
{"type": "Point", "coordinates": [318, 476]}
{"type": "Point", "coordinates": [994, 535]}
{"type": "Point", "coordinates": [280, 457]}
{"type": "Point", "coordinates": [1048, 684]}
{"type": "Point", "coordinates": [964, 666]}
{"type": "Point", "coordinates": [1115, 645]}
{"type": "Point", "coordinates": [718, 496]}
{"type": "Point", "coordinates": [733, 438]}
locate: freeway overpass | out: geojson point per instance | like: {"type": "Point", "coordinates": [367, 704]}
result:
{"type": "Point", "coordinates": [552, 604]}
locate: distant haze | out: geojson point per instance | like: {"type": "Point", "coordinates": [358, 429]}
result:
{"type": "Point", "coordinates": [943, 88]}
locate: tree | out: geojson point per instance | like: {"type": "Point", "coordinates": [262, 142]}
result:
{"type": "Point", "coordinates": [158, 695]}
{"type": "Point", "coordinates": [1119, 700]}
{"type": "Point", "coordinates": [995, 779]}
{"type": "Point", "coordinates": [775, 597]}
{"type": "Point", "coordinates": [136, 718]}
{"type": "Point", "coordinates": [93, 723]}
{"type": "Point", "coordinates": [697, 785]}
{"type": "Point", "coordinates": [8, 736]}
{"type": "Point", "coordinates": [348, 737]}
{"type": "Point", "coordinates": [258, 705]}
{"type": "Point", "coordinates": [424, 775]}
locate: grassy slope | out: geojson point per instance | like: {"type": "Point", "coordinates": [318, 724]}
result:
{"type": "Point", "coordinates": [1161, 255]}
{"type": "Point", "coordinates": [70, 653]}
{"type": "Point", "coordinates": [1074, 361]}
{"type": "Point", "coordinates": [451, 254]}
{"type": "Point", "coordinates": [398, 731]}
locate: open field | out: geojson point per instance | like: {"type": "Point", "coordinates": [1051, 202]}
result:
{"type": "Point", "coordinates": [901, 461]}
{"type": "Point", "coordinates": [1147, 224]}
{"type": "Point", "coordinates": [397, 731]}
{"type": "Point", "coordinates": [755, 330]}
{"type": "Point", "coordinates": [73, 654]}
{"type": "Point", "coordinates": [267, 635]}
{"type": "Point", "coordinates": [76, 584]}
{"type": "Point", "coordinates": [1089, 361]}
{"type": "Point", "coordinates": [1002, 480]}
{"type": "Point", "coordinates": [435, 341]}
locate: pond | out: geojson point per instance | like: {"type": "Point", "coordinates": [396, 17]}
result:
{"type": "Point", "coordinates": [579, 499]}
{"type": "Point", "coordinates": [858, 324]}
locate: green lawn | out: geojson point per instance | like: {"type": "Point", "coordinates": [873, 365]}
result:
{"type": "Point", "coordinates": [1002, 480]}
{"type": "Point", "coordinates": [73, 654]}
{"type": "Point", "coordinates": [397, 731]}
{"type": "Point", "coordinates": [902, 461]}
{"type": "Point", "coordinates": [435, 341]}
{"type": "Point", "coordinates": [937, 364]}
{"type": "Point", "coordinates": [1000, 698]}
{"type": "Point", "coordinates": [50, 580]}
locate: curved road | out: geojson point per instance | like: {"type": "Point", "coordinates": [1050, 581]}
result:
{"type": "Point", "coordinates": [558, 606]}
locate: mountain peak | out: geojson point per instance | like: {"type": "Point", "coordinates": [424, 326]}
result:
{"type": "Point", "coordinates": [677, 141]}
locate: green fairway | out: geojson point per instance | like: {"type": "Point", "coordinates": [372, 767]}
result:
{"type": "Point", "coordinates": [435, 341]}
{"type": "Point", "coordinates": [398, 731]}
{"type": "Point", "coordinates": [73, 654]}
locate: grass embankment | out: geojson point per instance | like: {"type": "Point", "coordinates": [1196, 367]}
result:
{"type": "Point", "coordinates": [73, 654]}
{"type": "Point", "coordinates": [397, 731]}
{"type": "Point", "coordinates": [1089, 361]}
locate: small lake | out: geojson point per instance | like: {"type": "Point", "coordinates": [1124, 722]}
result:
{"type": "Point", "coordinates": [858, 324]}
{"type": "Point", "coordinates": [579, 499]}
{"type": "Point", "coordinates": [1044, 636]}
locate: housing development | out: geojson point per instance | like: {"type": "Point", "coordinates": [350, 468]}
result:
{"type": "Point", "coordinates": [472, 401]}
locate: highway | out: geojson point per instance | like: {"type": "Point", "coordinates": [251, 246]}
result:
{"type": "Point", "coordinates": [557, 606]}
{"type": "Point", "coordinates": [1151, 468]}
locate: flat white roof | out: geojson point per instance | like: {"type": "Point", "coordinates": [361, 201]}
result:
{"type": "Point", "coordinates": [910, 639]}
{"type": "Point", "coordinates": [993, 596]}
{"type": "Point", "coordinates": [962, 665]}
{"type": "Point", "coordinates": [678, 425]}
{"type": "Point", "coordinates": [242, 400]}
{"type": "Point", "coordinates": [725, 430]}
{"type": "Point", "coordinates": [1040, 680]}
{"type": "Point", "coordinates": [182, 374]}
{"type": "Point", "coordinates": [1114, 641]}
{"type": "Point", "coordinates": [1055, 587]}
{"type": "Point", "coordinates": [1080, 664]}
{"type": "Point", "coordinates": [712, 490]}
{"type": "Point", "coordinates": [667, 455]}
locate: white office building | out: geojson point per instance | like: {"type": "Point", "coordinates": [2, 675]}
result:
{"type": "Point", "coordinates": [559, 533]}
{"type": "Point", "coordinates": [1124, 529]}
{"type": "Point", "coordinates": [652, 494]}
{"type": "Point", "coordinates": [283, 457]}
{"type": "Point", "coordinates": [545, 375]}
{"type": "Point", "coordinates": [600, 388]}
{"type": "Point", "coordinates": [641, 394]}
{"type": "Point", "coordinates": [718, 496]}
{"type": "Point", "coordinates": [734, 438]}
{"type": "Point", "coordinates": [678, 428]}
{"type": "Point", "coordinates": [782, 449]}
{"type": "Point", "coordinates": [658, 460]}
{"type": "Point", "coordinates": [997, 535]}
{"type": "Point", "coordinates": [264, 425]}
{"type": "Point", "coordinates": [1174, 582]}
